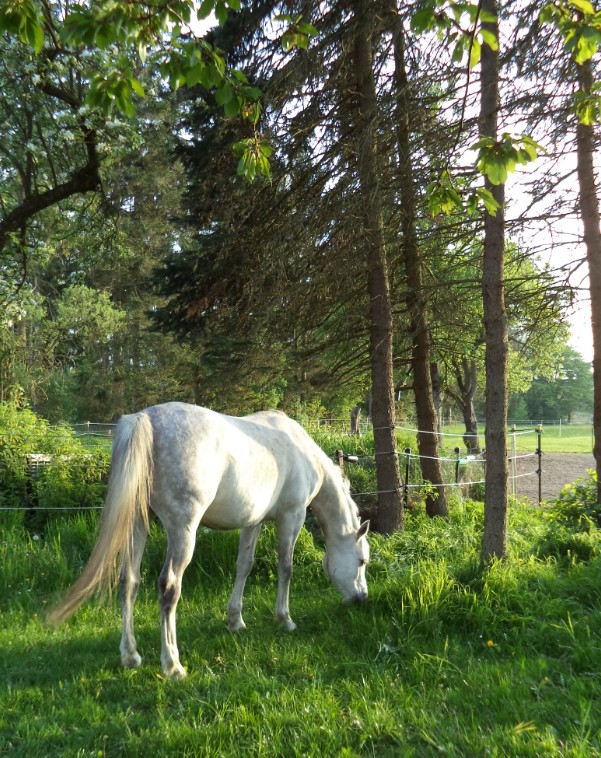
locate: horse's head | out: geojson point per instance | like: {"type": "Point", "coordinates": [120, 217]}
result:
{"type": "Point", "coordinates": [344, 562]}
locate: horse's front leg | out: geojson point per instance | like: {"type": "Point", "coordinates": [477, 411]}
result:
{"type": "Point", "coordinates": [130, 583]}
{"type": "Point", "coordinates": [246, 555]}
{"type": "Point", "coordinates": [288, 527]}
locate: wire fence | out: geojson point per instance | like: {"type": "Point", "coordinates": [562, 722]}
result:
{"type": "Point", "coordinates": [93, 429]}
{"type": "Point", "coordinates": [464, 471]}
{"type": "Point", "coordinates": [461, 469]}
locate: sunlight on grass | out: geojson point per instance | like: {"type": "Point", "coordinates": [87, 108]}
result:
{"type": "Point", "coordinates": [446, 658]}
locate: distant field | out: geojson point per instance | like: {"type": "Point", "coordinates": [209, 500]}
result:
{"type": "Point", "coordinates": [567, 438]}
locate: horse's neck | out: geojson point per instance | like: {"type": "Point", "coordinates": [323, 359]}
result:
{"type": "Point", "coordinates": [333, 509]}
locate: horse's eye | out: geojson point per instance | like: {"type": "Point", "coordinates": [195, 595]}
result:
{"type": "Point", "coordinates": [363, 562]}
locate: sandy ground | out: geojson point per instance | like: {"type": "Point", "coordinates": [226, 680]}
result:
{"type": "Point", "coordinates": [558, 469]}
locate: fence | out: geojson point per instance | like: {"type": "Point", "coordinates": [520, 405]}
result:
{"type": "Point", "coordinates": [460, 470]}
{"type": "Point", "coordinates": [464, 472]}
{"type": "Point", "coordinates": [92, 429]}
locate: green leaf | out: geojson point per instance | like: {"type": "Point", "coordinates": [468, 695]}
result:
{"type": "Point", "coordinates": [487, 18]}
{"type": "Point", "coordinates": [231, 107]}
{"type": "Point", "coordinates": [242, 146]}
{"type": "Point", "coordinates": [424, 19]}
{"type": "Point", "coordinates": [491, 205]}
{"type": "Point", "coordinates": [254, 93]}
{"type": "Point", "coordinates": [472, 203]}
{"type": "Point", "coordinates": [142, 52]}
{"type": "Point", "coordinates": [221, 12]}
{"type": "Point", "coordinates": [308, 29]}
{"type": "Point", "coordinates": [583, 5]}
{"type": "Point", "coordinates": [239, 75]}
{"type": "Point", "coordinates": [206, 8]}
{"type": "Point", "coordinates": [458, 50]}
{"type": "Point", "coordinates": [224, 93]}
{"type": "Point", "coordinates": [136, 87]}
{"type": "Point", "coordinates": [494, 168]}
{"type": "Point", "coordinates": [587, 108]}
{"type": "Point", "coordinates": [23, 19]}
{"type": "Point", "coordinates": [587, 44]}
{"type": "Point", "coordinates": [490, 39]}
{"type": "Point", "coordinates": [475, 53]}
{"type": "Point", "coordinates": [442, 196]}
{"type": "Point", "coordinates": [247, 166]}
{"type": "Point", "coordinates": [548, 13]}
{"type": "Point", "coordinates": [288, 41]}
{"type": "Point", "coordinates": [196, 75]}
{"type": "Point", "coordinates": [33, 34]}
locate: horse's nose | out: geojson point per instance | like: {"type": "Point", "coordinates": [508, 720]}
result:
{"type": "Point", "coordinates": [360, 598]}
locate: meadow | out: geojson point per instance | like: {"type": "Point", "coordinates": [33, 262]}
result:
{"type": "Point", "coordinates": [447, 658]}
{"type": "Point", "coordinates": [555, 438]}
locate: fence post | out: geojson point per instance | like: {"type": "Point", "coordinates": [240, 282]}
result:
{"type": "Point", "coordinates": [406, 482]}
{"type": "Point", "coordinates": [539, 471]}
{"type": "Point", "coordinates": [340, 459]}
{"type": "Point", "coordinates": [456, 465]}
{"type": "Point", "coordinates": [513, 459]}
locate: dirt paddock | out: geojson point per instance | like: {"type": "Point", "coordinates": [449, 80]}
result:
{"type": "Point", "coordinates": [558, 469]}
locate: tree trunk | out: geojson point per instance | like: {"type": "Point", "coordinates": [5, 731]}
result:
{"type": "Point", "coordinates": [466, 376]}
{"type": "Point", "coordinates": [390, 509]}
{"type": "Point", "coordinates": [421, 353]}
{"type": "Point", "coordinates": [494, 540]}
{"type": "Point", "coordinates": [356, 420]}
{"type": "Point", "coordinates": [589, 212]}
{"type": "Point", "coordinates": [437, 394]}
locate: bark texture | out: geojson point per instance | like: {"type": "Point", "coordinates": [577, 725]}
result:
{"type": "Point", "coordinates": [494, 539]}
{"type": "Point", "coordinates": [417, 307]}
{"type": "Point", "coordinates": [589, 212]}
{"type": "Point", "coordinates": [390, 510]}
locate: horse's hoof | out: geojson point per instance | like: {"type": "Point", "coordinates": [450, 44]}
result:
{"type": "Point", "coordinates": [236, 625]}
{"type": "Point", "coordinates": [176, 672]}
{"type": "Point", "coordinates": [288, 624]}
{"type": "Point", "coordinates": [132, 661]}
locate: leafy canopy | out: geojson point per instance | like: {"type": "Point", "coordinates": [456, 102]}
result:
{"type": "Point", "coordinates": [161, 30]}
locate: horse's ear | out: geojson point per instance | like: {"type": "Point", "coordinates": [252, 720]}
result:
{"type": "Point", "coordinates": [363, 530]}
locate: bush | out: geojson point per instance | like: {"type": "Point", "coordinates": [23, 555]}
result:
{"type": "Point", "coordinates": [577, 504]}
{"type": "Point", "coordinates": [71, 477]}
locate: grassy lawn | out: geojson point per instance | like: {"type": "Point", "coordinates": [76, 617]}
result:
{"type": "Point", "coordinates": [445, 659]}
{"type": "Point", "coordinates": [567, 438]}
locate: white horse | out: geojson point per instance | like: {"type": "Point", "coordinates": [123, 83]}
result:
{"type": "Point", "coordinates": [192, 466]}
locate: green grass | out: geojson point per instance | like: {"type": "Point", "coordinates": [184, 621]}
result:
{"type": "Point", "coordinates": [567, 438]}
{"type": "Point", "coordinates": [445, 659]}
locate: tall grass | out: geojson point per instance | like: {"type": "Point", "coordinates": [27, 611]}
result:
{"type": "Point", "coordinates": [445, 659]}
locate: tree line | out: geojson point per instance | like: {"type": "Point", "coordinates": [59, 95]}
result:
{"type": "Point", "coordinates": [376, 258]}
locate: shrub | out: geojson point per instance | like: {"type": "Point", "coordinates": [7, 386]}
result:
{"type": "Point", "coordinates": [577, 504]}
{"type": "Point", "coordinates": [73, 477]}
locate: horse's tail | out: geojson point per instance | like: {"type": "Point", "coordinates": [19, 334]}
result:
{"type": "Point", "coordinates": [127, 499]}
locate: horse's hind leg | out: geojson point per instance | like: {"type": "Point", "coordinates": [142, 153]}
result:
{"type": "Point", "coordinates": [180, 549]}
{"type": "Point", "coordinates": [246, 555]}
{"type": "Point", "coordinates": [130, 583]}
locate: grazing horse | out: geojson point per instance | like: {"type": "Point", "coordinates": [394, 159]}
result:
{"type": "Point", "coordinates": [192, 466]}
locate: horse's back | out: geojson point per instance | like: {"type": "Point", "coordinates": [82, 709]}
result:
{"type": "Point", "coordinates": [230, 471]}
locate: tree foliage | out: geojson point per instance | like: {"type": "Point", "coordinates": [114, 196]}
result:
{"type": "Point", "coordinates": [259, 292]}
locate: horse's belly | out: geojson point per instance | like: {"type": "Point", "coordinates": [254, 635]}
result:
{"type": "Point", "coordinates": [233, 515]}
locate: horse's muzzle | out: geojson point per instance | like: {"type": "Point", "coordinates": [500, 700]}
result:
{"type": "Point", "coordinates": [358, 599]}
